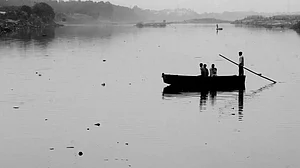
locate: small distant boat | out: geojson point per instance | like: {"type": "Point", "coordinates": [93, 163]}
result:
{"type": "Point", "coordinates": [200, 83]}
{"type": "Point", "coordinates": [218, 28]}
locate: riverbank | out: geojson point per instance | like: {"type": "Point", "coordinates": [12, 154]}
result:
{"type": "Point", "coordinates": [14, 18]}
{"type": "Point", "coordinates": [279, 21]}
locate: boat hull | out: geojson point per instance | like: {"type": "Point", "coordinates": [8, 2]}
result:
{"type": "Point", "coordinates": [200, 83]}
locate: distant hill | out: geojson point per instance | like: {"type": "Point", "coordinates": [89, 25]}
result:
{"type": "Point", "coordinates": [206, 20]}
{"type": "Point", "coordinates": [105, 11]}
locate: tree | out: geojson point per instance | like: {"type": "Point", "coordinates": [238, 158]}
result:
{"type": "Point", "coordinates": [26, 9]}
{"type": "Point", "coordinates": [44, 11]}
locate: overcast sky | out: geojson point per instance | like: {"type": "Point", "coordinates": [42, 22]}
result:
{"type": "Point", "coordinates": [201, 6]}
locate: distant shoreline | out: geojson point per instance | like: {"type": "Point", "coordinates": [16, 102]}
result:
{"type": "Point", "coordinates": [273, 22]}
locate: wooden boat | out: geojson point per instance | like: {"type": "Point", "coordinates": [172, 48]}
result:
{"type": "Point", "coordinates": [185, 83]}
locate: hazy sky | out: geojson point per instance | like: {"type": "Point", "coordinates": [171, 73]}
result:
{"type": "Point", "coordinates": [201, 6]}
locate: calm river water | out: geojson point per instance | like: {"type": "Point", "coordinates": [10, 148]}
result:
{"type": "Point", "coordinates": [57, 84]}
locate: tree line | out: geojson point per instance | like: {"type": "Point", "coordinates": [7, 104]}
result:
{"type": "Point", "coordinates": [104, 10]}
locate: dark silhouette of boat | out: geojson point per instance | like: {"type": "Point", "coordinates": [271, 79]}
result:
{"type": "Point", "coordinates": [185, 83]}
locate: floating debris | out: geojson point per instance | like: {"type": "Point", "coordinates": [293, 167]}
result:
{"type": "Point", "coordinates": [36, 72]}
{"type": "Point", "coordinates": [46, 119]}
{"type": "Point", "coordinates": [129, 165]}
{"type": "Point", "coordinates": [118, 142]}
{"type": "Point", "coordinates": [205, 143]}
{"type": "Point", "coordinates": [129, 83]}
{"type": "Point", "coordinates": [103, 84]}
{"type": "Point", "coordinates": [88, 129]}
{"type": "Point", "coordinates": [40, 74]}
{"type": "Point", "coordinates": [97, 124]}
{"type": "Point", "coordinates": [70, 147]}
{"type": "Point", "coordinates": [127, 143]}
{"type": "Point", "coordinates": [80, 153]}
{"type": "Point", "coordinates": [232, 114]}
{"type": "Point", "coordinates": [104, 60]}
{"type": "Point", "coordinates": [106, 160]}
{"type": "Point", "coordinates": [51, 149]}
{"type": "Point", "coordinates": [16, 107]}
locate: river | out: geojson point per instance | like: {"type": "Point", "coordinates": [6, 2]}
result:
{"type": "Point", "coordinates": [92, 96]}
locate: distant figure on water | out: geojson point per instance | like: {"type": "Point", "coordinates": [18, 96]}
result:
{"type": "Point", "coordinates": [213, 70]}
{"type": "Point", "coordinates": [241, 64]}
{"type": "Point", "coordinates": [218, 28]}
{"type": "Point", "coordinates": [205, 71]}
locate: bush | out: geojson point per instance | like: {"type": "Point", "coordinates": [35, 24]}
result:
{"type": "Point", "coordinates": [296, 26]}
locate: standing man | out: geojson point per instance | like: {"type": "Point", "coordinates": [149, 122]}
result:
{"type": "Point", "coordinates": [241, 64]}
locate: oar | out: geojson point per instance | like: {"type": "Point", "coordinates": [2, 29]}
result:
{"type": "Point", "coordinates": [247, 69]}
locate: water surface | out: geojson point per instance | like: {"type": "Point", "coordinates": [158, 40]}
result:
{"type": "Point", "coordinates": [56, 84]}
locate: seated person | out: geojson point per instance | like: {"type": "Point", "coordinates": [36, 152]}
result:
{"type": "Point", "coordinates": [213, 70]}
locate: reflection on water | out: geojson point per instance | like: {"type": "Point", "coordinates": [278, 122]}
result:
{"type": "Point", "coordinates": [241, 104]}
{"type": "Point", "coordinates": [26, 37]}
{"type": "Point", "coordinates": [203, 99]}
{"type": "Point", "coordinates": [170, 91]}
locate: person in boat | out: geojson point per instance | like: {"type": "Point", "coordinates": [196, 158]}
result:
{"type": "Point", "coordinates": [241, 64]}
{"type": "Point", "coordinates": [205, 71]}
{"type": "Point", "coordinates": [201, 69]}
{"type": "Point", "coordinates": [213, 70]}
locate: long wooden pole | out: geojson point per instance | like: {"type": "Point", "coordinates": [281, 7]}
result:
{"type": "Point", "coordinates": [247, 69]}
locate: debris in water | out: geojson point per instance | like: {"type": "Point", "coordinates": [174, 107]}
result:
{"type": "Point", "coordinates": [103, 84]}
{"type": "Point", "coordinates": [104, 60]}
{"type": "Point", "coordinates": [205, 143]}
{"type": "Point", "coordinates": [51, 149]}
{"type": "Point", "coordinates": [129, 83]}
{"type": "Point", "coordinates": [117, 142]}
{"type": "Point", "coordinates": [40, 74]}
{"type": "Point", "coordinates": [126, 143]}
{"type": "Point", "coordinates": [106, 160]}
{"type": "Point", "coordinates": [80, 153]}
{"type": "Point", "coordinates": [97, 124]}
{"type": "Point", "coordinates": [70, 147]}
{"type": "Point", "coordinates": [46, 119]}
{"type": "Point", "coordinates": [16, 107]}
{"type": "Point", "coordinates": [88, 129]}
{"type": "Point", "coordinates": [232, 114]}
{"type": "Point", "coordinates": [129, 165]}
{"type": "Point", "coordinates": [36, 72]}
